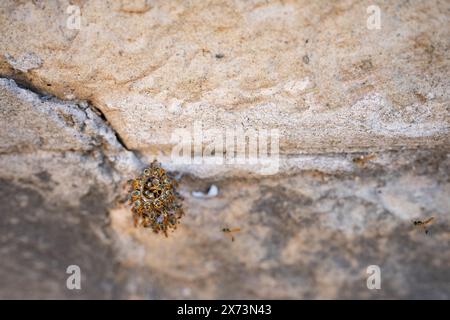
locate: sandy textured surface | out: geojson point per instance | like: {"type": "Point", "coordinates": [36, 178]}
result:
{"type": "Point", "coordinates": [85, 109]}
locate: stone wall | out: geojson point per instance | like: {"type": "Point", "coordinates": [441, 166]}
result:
{"type": "Point", "coordinates": [85, 106]}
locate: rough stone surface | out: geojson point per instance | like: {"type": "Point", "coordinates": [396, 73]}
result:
{"type": "Point", "coordinates": [310, 235]}
{"type": "Point", "coordinates": [58, 169]}
{"type": "Point", "coordinates": [83, 110]}
{"type": "Point", "coordinates": [39, 240]}
{"type": "Point", "coordinates": [243, 63]}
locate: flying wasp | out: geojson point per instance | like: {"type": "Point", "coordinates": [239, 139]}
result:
{"type": "Point", "coordinates": [229, 232]}
{"type": "Point", "coordinates": [423, 224]}
{"type": "Point", "coordinates": [362, 160]}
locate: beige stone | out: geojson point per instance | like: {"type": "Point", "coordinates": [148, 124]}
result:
{"type": "Point", "coordinates": [84, 109]}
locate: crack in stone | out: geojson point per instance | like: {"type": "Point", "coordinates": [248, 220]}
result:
{"type": "Point", "coordinates": [81, 104]}
{"type": "Point", "coordinates": [85, 132]}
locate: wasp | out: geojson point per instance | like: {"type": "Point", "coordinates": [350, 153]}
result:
{"type": "Point", "coordinates": [362, 160]}
{"type": "Point", "coordinates": [423, 224]}
{"type": "Point", "coordinates": [229, 232]}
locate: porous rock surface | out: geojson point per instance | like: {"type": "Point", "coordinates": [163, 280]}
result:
{"type": "Point", "coordinates": [85, 109]}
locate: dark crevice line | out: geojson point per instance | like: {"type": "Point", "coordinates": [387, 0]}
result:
{"type": "Point", "coordinates": [25, 84]}
{"type": "Point", "coordinates": [103, 117]}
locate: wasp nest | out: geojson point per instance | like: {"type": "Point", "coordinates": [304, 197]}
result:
{"type": "Point", "coordinates": [156, 203]}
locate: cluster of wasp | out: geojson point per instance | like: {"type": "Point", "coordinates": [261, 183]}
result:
{"type": "Point", "coordinates": [155, 201]}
